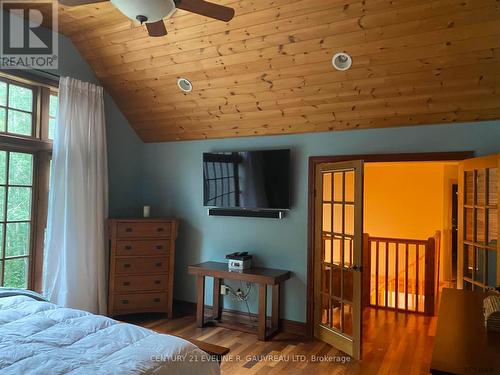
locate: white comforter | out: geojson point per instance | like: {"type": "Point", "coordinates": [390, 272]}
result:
{"type": "Point", "coordinates": [41, 338]}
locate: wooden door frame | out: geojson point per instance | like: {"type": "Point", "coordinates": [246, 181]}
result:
{"type": "Point", "coordinates": [367, 158]}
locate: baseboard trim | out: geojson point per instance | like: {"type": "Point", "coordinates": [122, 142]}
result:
{"type": "Point", "coordinates": [239, 317]}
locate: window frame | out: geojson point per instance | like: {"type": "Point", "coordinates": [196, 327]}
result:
{"type": "Point", "coordinates": [40, 146]}
{"type": "Point", "coordinates": [7, 107]}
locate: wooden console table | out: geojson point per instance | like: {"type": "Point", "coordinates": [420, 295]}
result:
{"type": "Point", "coordinates": [462, 344]}
{"type": "Point", "coordinates": [261, 276]}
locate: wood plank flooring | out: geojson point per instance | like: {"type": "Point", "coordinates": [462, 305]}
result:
{"type": "Point", "coordinates": [394, 343]}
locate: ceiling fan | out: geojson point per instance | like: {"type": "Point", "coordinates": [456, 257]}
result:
{"type": "Point", "coordinates": [152, 12]}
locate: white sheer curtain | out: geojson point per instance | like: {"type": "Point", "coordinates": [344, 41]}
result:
{"type": "Point", "coordinates": [74, 259]}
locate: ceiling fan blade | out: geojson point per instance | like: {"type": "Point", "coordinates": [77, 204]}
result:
{"type": "Point", "coordinates": [219, 12]}
{"type": "Point", "coordinates": [73, 3]}
{"type": "Point", "coordinates": [156, 28]}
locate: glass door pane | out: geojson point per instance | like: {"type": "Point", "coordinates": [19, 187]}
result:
{"type": "Point", "coordinates": [478, 224]}
{"type": "Point", "coordinates": [337, 290]}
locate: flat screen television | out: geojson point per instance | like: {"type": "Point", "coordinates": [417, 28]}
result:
{"type": "Point", "coordinates": [247, 179]}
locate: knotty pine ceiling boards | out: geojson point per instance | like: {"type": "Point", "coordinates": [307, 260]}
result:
{"type": "Point", "coordinates": [269, 70]}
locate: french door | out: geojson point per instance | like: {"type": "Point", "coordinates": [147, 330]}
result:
{"type": "Point", "coordinates": [478, 217]}
{"type": "Point", "coordinates": [338, 255]}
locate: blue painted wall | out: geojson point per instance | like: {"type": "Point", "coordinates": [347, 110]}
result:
{"type": "Point", "coordinates": [172, 175]}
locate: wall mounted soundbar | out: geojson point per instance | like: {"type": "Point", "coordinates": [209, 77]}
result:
{"type": "Point", "coordinates": [270, 214]}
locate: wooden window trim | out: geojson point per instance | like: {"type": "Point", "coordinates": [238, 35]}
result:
{"type": "Point", "coordinates": [28, 78]}
{"type": "Point", "coordinates": [41, 148]}
{"type": "Point", "coordinates": [41, 201]}
{"type": "Point", "coordinates": [44, 118]}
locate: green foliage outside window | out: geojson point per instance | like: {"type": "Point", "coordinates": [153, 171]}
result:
{"type": "Point", "coordinates": [19, 204]}
{"type": "Point", "coordinates": [20, 98]}
{"type": "Point", "coordinates": [16, 273]}
{"type": "Point", "coordinates": [20, 169]}
{"type": "Point", "coordinates": [3, 167]}
{"type": "Point", "coordinates": [17, 239]}
{"type": "Point", "coordinates": [15, 218]}
{"type": "Point", "coordinates": [3, 93]}
{"type": "Point", "coordinates": [2, 204]}
{"type": "Point", "coordinates": [19, 122]}
{"type": "Point", "coordinates": [16, 112]}
{"type": "Point", "coordinates": [2, 119]}
{"type": "Point", "coordinates": [53, 104]}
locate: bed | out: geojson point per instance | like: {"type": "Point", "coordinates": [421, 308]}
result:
{"type": "Point", "coordinates": [38, 337]}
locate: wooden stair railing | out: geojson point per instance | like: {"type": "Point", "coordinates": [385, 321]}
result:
{"type": "Point", "coordinates": [387, 281]}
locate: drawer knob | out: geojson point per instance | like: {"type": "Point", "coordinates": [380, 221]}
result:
{"type": "Point", "coordinates": [126, 283]}
{"type": "Point", "coordinates": [125, 301]}
{"type": "Point", "coordinates": [128, 230]}
{"type": "Point", "coordinates": [126, 265]}
{"type": "Point", "coordinates": [156, 300]}
{"type": "Point", "coordinates": [157, 282]}
{"type": "Point", "coordinates": [160, 229]}
{"type": "Point", "coordinates": [159, 247]}
{"type": "Point", "coordinates": [128, 247]}
{"type": "Point", "coordinates": [158, 264]}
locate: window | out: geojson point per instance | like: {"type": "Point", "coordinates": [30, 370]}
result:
{"type": "Point", "coordinates": [16, 109]}
{"type": "Point", "coordinates": [16, 191]}
{"type": "Point", "coordinates": [480, 224]}
{"type": "Point", "coordinates": [53, 104]}
{"type": "Point", "coordinates": [27, 125]}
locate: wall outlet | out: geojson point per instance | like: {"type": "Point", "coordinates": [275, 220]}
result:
{"type": "Point", "coordinates": [224, 289]}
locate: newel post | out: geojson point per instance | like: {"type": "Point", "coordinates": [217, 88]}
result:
{"type": "Point", "coordinates": [366, 271]}
{"type": "Point", "coordinates": [430, 259]}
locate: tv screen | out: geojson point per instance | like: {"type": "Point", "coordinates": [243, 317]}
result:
{"type": "Point", "coordinates": [247, 179]}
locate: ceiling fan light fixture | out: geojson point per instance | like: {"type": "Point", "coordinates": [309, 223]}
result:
{"type": "Point", "coordinates": [341, 61]}
{"type": "Point", "coordinates": [185, 84]}
{"type": "Point", "coordinates": [151, 13]}
{"type": "Point", "coordinates": [151, 10]}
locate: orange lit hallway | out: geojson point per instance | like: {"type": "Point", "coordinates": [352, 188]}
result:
{"type": "Point", "coordinates": [408, 226]}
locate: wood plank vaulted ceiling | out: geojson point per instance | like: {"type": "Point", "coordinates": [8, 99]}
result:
{"type": "Point", "coordinates": [269, 70]}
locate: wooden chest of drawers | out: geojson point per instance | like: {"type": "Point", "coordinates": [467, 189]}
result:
{"type": "Point", "coordinates": [141, 265]}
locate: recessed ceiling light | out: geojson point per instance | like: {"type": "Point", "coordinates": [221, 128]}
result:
{"type": "Point", "coordinates": [185, 85]}
{"type": "Point", "coordinates": [341, 61]}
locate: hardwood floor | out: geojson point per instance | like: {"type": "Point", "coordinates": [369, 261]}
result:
{"type": "Point", "coordinates": [393, 343]}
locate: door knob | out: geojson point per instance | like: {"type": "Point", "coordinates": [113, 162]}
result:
{"type": "Point", "coordinates": [355, 268]}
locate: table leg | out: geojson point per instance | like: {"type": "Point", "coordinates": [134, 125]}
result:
{"type": "Point", "coordinates": [261, 335]}
{"type": "Point", "coordinates": [275, 316]}
{"type": "Point", "coordinates": [217, 299]}
{"type": "Point", "coordinates": [200, 305]}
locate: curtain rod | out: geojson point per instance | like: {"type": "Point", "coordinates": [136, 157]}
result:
{"type": "Point", "coordinates": [39, 76]}
{"type": "Point", "coordinates": [49, 75]}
